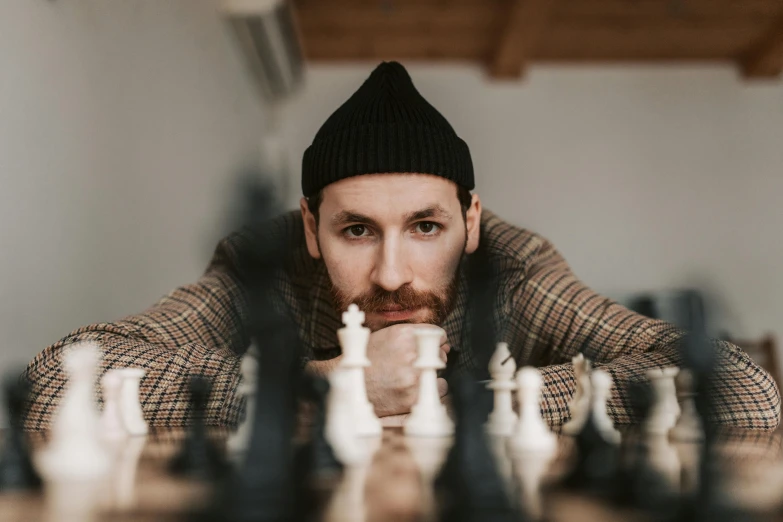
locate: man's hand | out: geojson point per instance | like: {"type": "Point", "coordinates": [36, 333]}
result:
{"type": "Point", "coordinates": [392, 381]}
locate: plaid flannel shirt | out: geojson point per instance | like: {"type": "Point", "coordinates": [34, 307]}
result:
{"type": "Point", "coordinates": [541, 309]}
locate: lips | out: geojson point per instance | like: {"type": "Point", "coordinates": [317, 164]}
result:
{"type": "Point", "coordinates": [397, 313]}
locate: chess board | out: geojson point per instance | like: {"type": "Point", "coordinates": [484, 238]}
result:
{"type": "Point", "coordinates": [394, 485]}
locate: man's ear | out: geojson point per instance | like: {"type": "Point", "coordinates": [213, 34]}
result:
{"type": "Point", "coordinates": [473, 224]}
{"type": "Point", "coordinates": [310, 229]}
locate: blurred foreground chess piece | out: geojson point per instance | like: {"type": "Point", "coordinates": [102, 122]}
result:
{"type": "Point", "coordinates": [199, 457]}
{"type": "Point", "coordinates": [469, 485]}
{"type": "Point", "coordinates": [317, 458]}
{"type": "Point", "coordinates": [16, 467]}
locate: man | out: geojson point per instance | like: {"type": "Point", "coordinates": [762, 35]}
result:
{"type": "Point", "coordinates": [388, 222]}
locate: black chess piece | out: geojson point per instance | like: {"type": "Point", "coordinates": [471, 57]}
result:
{"type": "Point", "coordinates": [16, 468]}
{"type": "Point", "coordinates": [199, 457]}
{"type": "Point", "coordinates": [265, 487]}
{"type": "Point", "coordinates": [597, 462]}
{"type": "Point", "coordinates": [699, 355]}
{"type": "Point", "coordinates": [318, 462]}
{"type": "Point", "coordinates": [469, 486]}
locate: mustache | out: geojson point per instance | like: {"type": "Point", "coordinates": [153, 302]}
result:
{"type": "Point", "coordinates": [405, 298]}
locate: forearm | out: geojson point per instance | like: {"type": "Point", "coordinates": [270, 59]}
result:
{"type": "Point", "coordinates": [323, 368]}
{"type": "Point", "coordinates": [745, 396]}
{"type": "Point", "coordinates": [164, 393]}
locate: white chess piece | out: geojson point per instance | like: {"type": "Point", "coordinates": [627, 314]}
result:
{"type": "Point", "coordinates": [429, 417]}
{"type": "Point", "coordinates": [121, 494]}
{"type": "Point", "coordinates": [112, 425]}
{"type": "Point", "coordinates": [531, 433]}
{"type": "Point", "coordinates": [664, 411]}
{"type": "Point", "coordinates": [75, 451]}
{"type": "Point", "coordinates": [688, 427]}
{"type": "Point", "coordinates": [601, 386]}
{"type": "Point", "coordinates": [340, 428]}
{"type": "Point", "coordinates": [580, 402]}
{"type": "Point", "coordinates": [662, 457]}
{"type": "Point", "coordinates": [353, 340]}
{"type": "Point", "coordinates": [502, 368]}
{"type": "Point", "coordinates": [238, 441]}
{"type": "Point", "coordinates": [130, 405]}
{"type": "Point", "coordinates": [529, 469]}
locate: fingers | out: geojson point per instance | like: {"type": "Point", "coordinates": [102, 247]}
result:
{"type": "Point", "coordinates": [444, 352]}
{"type": "Point", "coordinates": [443, 387]}
{"type": "Point", "coordinates": [394, 421]}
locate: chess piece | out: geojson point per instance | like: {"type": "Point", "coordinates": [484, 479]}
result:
{"type": "Point", "coordinates": [529, 470]}
{"type": "Point", "coordinates": [353, 341]}
{"type": "Point", "coordinates": [319, 462]}
{"type": "Point", "coordinates": [16, 467]}
{"type": "Point", "coordinates": [340, 428]}
{"type": "Point", "coordinates": [502, 368]}
{"type": "Point", "coordinates": [198, 457]}
{"type": "Point", "coordinates": [580, 402]}
{"type": "Point", "coordinates": [75, 450]}
{"type": "Point", "coordinates": [601, 384]}
{"type": "Point", "coordinates": [265, 486]}
{"type": "Point", "coordinates": [531, 433]}
{"type": "Point", "coordinates": [688, 427]}
{"type": "Point", "coordinates": [663, 458]}
{"type": "Point", "coordinates": [469, 484]}
{"type": "Point", "coordinates": [112, 425]}
{"type": "Point", "coordinates": [130, 405]}
{"type": "Point", "coordinates": [123, 482]}
{"type": "Point", "coordinates": [664, 411]}
{"type": "Point", "coordinates": [238, 441]}
{"type": "Point", "coordinates": [428, 416]}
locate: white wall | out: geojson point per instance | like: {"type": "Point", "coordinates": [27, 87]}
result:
{"type": "Point", "coordinates": [122, 126]}
{"type": "Point", "coordinates": [645, 178]}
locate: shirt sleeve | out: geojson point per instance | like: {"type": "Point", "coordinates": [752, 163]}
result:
{"type": "Point", "coordinates": [196, 329]}
{"type": "Point", "coordinates": [560, 317]}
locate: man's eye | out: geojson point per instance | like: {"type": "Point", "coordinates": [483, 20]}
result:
{"type": "Point", "coordinates": [427, 228]}
{"type": "Point", "coordinates": [356, 230]}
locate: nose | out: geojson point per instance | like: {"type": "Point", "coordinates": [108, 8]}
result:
{"type": "Point", "coordinates": [392, 269]}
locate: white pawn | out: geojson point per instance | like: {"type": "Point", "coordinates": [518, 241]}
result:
{"type": "Point", "coordinates": [238, 441]}
{"type": "Point", "coordinates": [580, 402]}
{"type": "Point", "coordinates": [353, 341]}
{"type": "Point", "coordinates": [429, 417]}
{"type": "Point", "coordinates": [112, 425]}
{"type": "Point", "coordinates": [601, 386]}
{"type": "Point", "coordinates": [531, 433]}
{"type": "Point", "coordinates": [502, 367]}
{"type": "Point", "coordinates": [664, 411]}
{"type": "Point", "coordinates": [688, 427]}
{"type": "Point", "coordinates": [75, 451]}
{"type": "Point", "coordinates": [130, 405]}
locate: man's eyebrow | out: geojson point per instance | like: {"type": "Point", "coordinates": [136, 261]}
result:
{"type": "Point", "coordinates": [346, 216]}
{"type": "Point", "coordinates": [434, 211]}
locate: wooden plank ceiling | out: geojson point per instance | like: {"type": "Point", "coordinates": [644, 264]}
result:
{"type": "Point", "coordinates": [507, 35]}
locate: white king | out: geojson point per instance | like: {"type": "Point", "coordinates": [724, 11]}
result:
{"type": "Point", "coordinates": [353, 340]}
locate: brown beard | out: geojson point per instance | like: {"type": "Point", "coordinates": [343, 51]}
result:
{"type": "Point", "coordinates": [439, 304]}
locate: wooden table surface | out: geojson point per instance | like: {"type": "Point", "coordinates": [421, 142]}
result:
{"type": "Point", "coordinates": [393, 485]}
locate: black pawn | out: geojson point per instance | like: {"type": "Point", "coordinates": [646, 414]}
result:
{"type": "Point", "coordinates": [469, 486]}
{"type": "Point", "coordinates": [16, 468]}
{"type": "Point", "coordinates": [199, 457]}
{"type": "Point", "coordinates": [318, 463]}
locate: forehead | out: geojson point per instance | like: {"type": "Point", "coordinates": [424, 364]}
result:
{"type": "Point", "coordinates": [391, 194]}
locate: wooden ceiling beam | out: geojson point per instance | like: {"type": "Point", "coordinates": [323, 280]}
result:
{"type": "Point", "coordinates": [526, 20]}
{"type": "Point", "coordinates": [765, 60]}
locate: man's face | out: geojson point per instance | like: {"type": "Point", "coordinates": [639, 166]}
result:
{"type": "Point", "coordinates": [392, 244]}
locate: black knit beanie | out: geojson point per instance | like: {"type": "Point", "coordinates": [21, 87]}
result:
{"type": "Point", "coordinates": [385, 127]}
